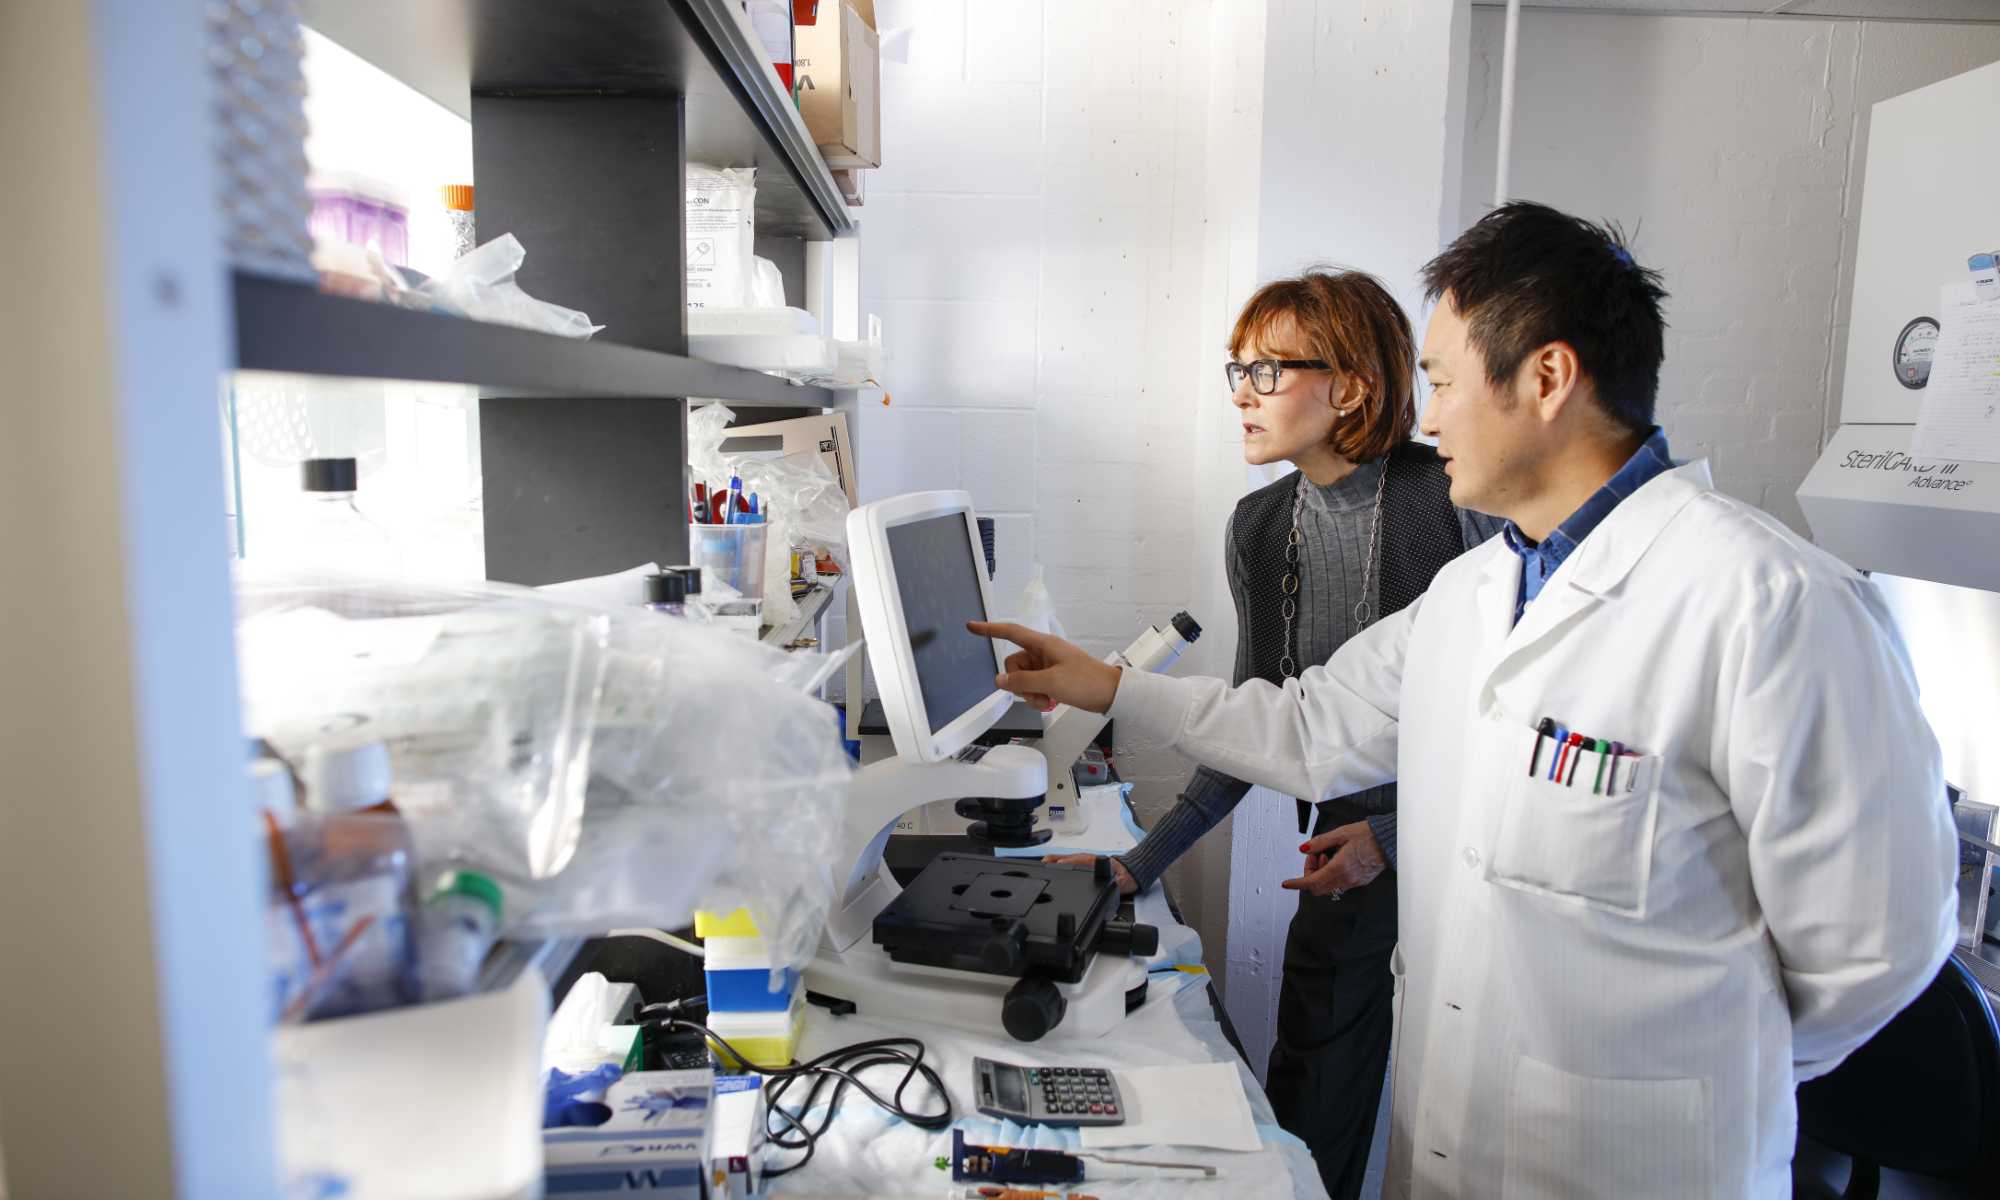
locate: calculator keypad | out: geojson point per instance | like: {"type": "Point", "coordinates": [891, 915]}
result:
{"type": "Point", "coordinates": [1074, 1093]}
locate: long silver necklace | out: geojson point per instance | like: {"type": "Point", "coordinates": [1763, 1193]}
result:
{"type": "Point", "coordinates": [1364, 609]}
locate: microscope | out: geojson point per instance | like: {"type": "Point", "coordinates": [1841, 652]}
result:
{"type": "Point", "coordinates": [975, 941]}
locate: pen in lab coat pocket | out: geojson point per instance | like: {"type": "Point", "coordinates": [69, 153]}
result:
{"type": "Point", "coordinates": [1546, 729]}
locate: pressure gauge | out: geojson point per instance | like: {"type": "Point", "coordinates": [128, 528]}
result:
{"type": "Point", "coordinates": [1914, 347]}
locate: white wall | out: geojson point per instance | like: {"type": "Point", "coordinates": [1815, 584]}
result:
{"type": "Point", "coordinates": [1037, 244]}
{"type": "Point", "coordinates": [1375, 194]}
{"type": "Point", "coordinates": [1732, 148]}
{"type": "Point", "coordinates": [1076, 201]}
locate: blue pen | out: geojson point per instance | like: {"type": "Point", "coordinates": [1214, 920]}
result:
{"type": "Point", "coordinates": [753, 506]}
{"type": "Point", "coordinates": [1555, 760]}
{"type": "Point", "coordinates": [735, 498]}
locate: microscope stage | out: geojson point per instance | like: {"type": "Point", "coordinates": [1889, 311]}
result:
{"type": "Point", "coordinates": [1005, 917]}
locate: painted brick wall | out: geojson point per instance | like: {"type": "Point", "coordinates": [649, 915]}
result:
{"type": "Point", "coordinates": [1076, 201]}
{"type": "Point", "coordinates": [1732, 148]}
{"type": "Point", "coordinates": [1362, 193]}
{"type": "Point", "coordinates": [1036, 243]}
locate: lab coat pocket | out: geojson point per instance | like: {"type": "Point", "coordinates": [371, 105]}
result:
{"type": "Point", "coordinates": [1565, 840]}
{"type": "Point", "coordinates": [1579, 1135]}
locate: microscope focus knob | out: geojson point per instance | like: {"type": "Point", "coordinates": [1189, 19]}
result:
{"type": "Point", "coordinates": [1005, 951]}
{"type": "Point", "coordinates": [1129, 937]}
{"type": "Point", "coordinates": [1032, 1008]}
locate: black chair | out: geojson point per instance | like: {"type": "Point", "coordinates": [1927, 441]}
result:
{"type": "Point", "coordinates": [1923, 1095]}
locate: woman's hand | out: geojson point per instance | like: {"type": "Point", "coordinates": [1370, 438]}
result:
{"type": "Point", "coordinates": [1339, 859]}
{"type": "Point", "coordinates": [1126, 884]}
{"type": "Point", "coordinates": [1047, 671]}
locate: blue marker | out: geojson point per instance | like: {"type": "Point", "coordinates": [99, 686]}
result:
{"type": "Point", "coordinates": [735, 499]}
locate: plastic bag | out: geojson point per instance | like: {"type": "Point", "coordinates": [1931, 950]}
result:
{"type": "Point", "coordinates": [800, 497]}
{"type": "Point", "coordinates": [767, 284]}
{"type": "Point", "coordinates": [607, 766]}
{"type": "Point", "coordinates": [481, 286]}
{"type": "Point", "coordinates": [1037, 609]}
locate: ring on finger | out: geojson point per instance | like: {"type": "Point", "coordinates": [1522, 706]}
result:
{"type": "Point", "coordinates": [1336, 893]}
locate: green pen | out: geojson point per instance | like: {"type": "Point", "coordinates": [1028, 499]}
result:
{"type": "Point", "coordinates": [1602, 747]}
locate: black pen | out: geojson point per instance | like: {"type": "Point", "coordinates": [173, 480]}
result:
{"type": "Point", "coordinates": [1546, 729]}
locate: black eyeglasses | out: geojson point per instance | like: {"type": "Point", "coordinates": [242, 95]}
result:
{"type": "Point", "coordinates": [1264, 373]}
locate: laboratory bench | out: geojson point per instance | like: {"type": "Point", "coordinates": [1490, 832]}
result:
{"type": "Point", "coordinates": [563, 960]}
{"type": "Point", "coordinates": [663, 972]}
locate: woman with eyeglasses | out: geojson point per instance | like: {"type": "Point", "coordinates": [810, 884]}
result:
{"type": "Point", "coordinates": [1321, 368]}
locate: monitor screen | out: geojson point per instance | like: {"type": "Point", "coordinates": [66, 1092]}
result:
{"type": "Point", "coordinates": [938, 583]}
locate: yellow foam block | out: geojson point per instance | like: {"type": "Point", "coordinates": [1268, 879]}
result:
{"type": "Point", "coordinates": [763, 1052]}
{"type": "Point", "coordinates": [733, 924]}
{"type": "Point", "coordinates": [765, 1039]}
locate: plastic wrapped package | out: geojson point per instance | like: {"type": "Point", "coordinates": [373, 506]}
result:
{"type": "Point", "coordinates": [607, 767]}
{"type": "Point", "coordinates": [721, 219]}
{"type": "Point", "coordinates": [803, 500]}
{"type": "Point", "coordinates": [751, 771]}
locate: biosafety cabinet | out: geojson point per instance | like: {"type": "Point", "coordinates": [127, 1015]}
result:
{"type": "Point", "coordinates": [1930, 204]}
{"type": "Point", "coordinates": [1928, 529]}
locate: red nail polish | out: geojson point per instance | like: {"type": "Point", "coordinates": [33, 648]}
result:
{"type": "Point", "coordinates": [1302, 846]}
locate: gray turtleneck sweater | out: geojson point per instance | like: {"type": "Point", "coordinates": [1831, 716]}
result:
{"type": "Point", "coordinates": [1335, 527]}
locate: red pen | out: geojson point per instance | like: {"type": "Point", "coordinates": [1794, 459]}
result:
{"type": "Point", "coordinates": [1575, 740]}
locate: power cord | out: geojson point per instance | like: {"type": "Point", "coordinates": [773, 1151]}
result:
{"type": "Point", "coordinates": [842, 1068]}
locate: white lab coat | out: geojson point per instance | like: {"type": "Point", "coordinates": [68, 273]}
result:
{"type": "Point", "coordinates": [1615, 994]}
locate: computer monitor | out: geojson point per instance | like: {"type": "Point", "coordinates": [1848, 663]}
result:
{"type": "Point", "coordinates": [918, 578]}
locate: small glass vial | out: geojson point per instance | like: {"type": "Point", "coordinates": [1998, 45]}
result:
{"type": "Point", "coordinates": [456, 927]}
{"type": "Point", "coordinates": [666, 592]}
{"type": "Point", "coordinates": [458, 210]}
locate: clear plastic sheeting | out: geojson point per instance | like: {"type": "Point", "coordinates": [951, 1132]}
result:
{"type": "Point", "coordinates": [481, 285]}
{"type": "Point", "coordinates": [801, 499]}
{"type": "Point", "coordinates": [609, 767]}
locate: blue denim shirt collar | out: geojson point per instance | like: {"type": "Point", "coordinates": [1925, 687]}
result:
{"type": "Point", "coordinates": [1540, 560]}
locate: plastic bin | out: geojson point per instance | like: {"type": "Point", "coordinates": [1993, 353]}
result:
{"type": "Point", "coordinates": [732, 554]}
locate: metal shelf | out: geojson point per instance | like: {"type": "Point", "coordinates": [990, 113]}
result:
{"type": "Point", "coordinates": [294, 328]}
{"type": "Point", "coordinates": [811, 605]}
{"type": "Point", "coordinates": [737, 113]}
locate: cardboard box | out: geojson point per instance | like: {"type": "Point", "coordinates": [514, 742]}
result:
{"type": "Point", "coordinates": [824, 434]}
{"type": "Point", "coordinates": [849, 181]}
{"type": "Point", "coordinates": [656, 1141]}
{"type": "Point", "coordinates": [838, 72]}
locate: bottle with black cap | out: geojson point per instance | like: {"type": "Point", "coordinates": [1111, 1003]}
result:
{"type": "Point", "coordinates": [666, 592]}
{"type": "Point", "coordinates": [326, 531]}
{"type": "Point", "coordinates": [691, 590]}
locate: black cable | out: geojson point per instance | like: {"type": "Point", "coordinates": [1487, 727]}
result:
{"type": "Point", "coordinates": [843, 1066]}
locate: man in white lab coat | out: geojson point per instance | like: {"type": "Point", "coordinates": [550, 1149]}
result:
{"type": "Point", "coordinates": [1619, 954]}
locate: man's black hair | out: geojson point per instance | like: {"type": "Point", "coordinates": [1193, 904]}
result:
{"type": "Point", "coordinates": [1526, 275]}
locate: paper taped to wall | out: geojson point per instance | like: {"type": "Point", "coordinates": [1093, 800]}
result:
{"type": "Point", "coordinates": [1960, 416]}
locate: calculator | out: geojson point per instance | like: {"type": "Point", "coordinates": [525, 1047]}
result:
{"type": "Point", "coordinates": [1047, 1095]}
